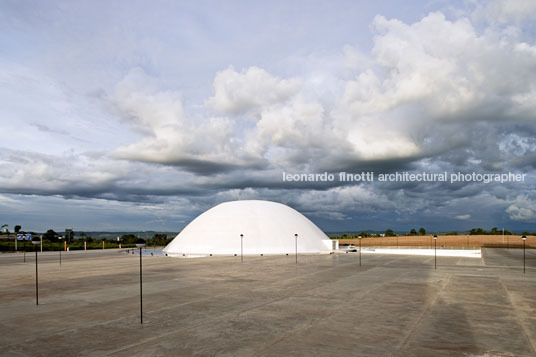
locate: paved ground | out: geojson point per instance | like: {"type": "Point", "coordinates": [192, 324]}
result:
{"type": "Point", "coordinates": [327, 305]}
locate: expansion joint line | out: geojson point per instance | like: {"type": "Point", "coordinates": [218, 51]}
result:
{"type": "Point", "coordinates": [520, 317]}
{"type": "Point", "coordinates": [421, 317]}
{"type": "Point", "coordinates": [209, 321]}
{"type": "Point", "coordinates": [291, 335]}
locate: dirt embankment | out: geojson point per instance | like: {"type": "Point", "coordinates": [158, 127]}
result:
{"type": "Point", "coordinates": [459, 241]}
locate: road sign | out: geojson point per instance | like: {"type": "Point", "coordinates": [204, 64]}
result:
{"type": "Point", "coordinates": [28, 236]}
{"type": "Point", "coordinates": [20, 236]}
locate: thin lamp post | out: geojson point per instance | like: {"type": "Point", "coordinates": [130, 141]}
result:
{"type": "Point", "coordinates": [36, 241]}
{"type": "Point", "coordinates": [24, 248]}
{"type": "Point", "coordinates": [140, 243]}
{"type": "Point", "coordinates": [241, 248]}
{"type": "Point", "coordinates": [360, 251]}
{"type": "Point", "coordinates": [296, 238]}
{"type": "Point", "coordinates": [60, 252]}
{"type": "Point", "coordinates": [435, 251]}
{"type": "Point", "coordinates": [524, 240]}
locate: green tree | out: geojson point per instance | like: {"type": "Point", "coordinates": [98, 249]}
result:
{"type": "Point", "coordinates": [128, 239]}
{"type": "Point", "coordinates": [422, 231]}
{"type": "Point", "coordinates": [159, 239]}
{"type": "Point", "coordinates": [17, 228]}
{"type": "Point", "coordinates": [390, 233]}
{"type": "Point", "coordinates": [477, 231]}
{"type": "Point", "coordinates": [413, 232]}
{"type": "Point", "coordinates": [51, 236]}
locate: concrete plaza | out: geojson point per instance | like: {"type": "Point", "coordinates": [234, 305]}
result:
{"type": "Point", "coordinates": [326, 305]}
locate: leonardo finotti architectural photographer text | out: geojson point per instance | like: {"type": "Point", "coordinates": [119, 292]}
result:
{"type": "Point", "coordinates": [405, 176]}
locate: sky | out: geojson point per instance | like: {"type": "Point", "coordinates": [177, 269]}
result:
{"type": "Point", "coordinates": [140, 115]}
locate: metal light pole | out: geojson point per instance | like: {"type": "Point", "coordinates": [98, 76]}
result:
{"type": "Point", "coordinates": [241, 248]}
{"type": "Point", "coordinates": [24, 248]}
{"type": "Point", "coordinates": [35, 241]}
{"type": "Point", "coordinates": [296, 237]}
{"type": "Point", "coordinates": [435, 251]}
{"type": "Point", "coordinates": [140, 243]}
{"type": "Point", "coordinates": [60, 252]}
{"type": "Point", "coordinates": [524, 240]}
{"type": "Point", "coordinates": [360, 251]}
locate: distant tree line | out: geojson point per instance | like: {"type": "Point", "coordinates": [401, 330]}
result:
{"type": "Point", "coordinates": [126, 239]}
{"type": "Point", "coordinates": [493, 231]}
{"type": "Point", "coordinates": [421, 232]}
{"type": "Point", "coordinates": [159, 239]}
{"type": "Point", "coordinates": [388, 233]}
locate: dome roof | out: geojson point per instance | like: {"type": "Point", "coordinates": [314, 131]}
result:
{"type": "Point", "coordinates": [268, 228]}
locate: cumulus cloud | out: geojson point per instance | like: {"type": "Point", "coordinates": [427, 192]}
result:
{"type": "Point", "coordinates": [238, 92]}
{"type": "Point", "coordinates": [444, 67]}
{"type": "Point", "coordinates": [32, 173]}
{"type": "Point", "coordinates": [505, 11]}
{"type": "Point", "coordinates": [522, 209]}
{"type": "Point", "coordinates": [437, 78]}
{"type": "Point", "coordinates": [170, 137]}
{"type": "Point", "coordinates": [421, 90]}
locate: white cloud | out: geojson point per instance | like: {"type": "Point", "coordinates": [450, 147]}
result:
{"type": "Point", "coordinates": [295, 124]}
{"type": "Point", "coordinates": [442, 92]}
{"type": "Point", "coordinates": [506, 11]}
{"type": "Point", "coordinates": [238, 92]}
{"type": "Point", "coordinates": [51, 174]}
{"type": "Point", "coordinates": [170, 136]}
{"type": "Point", "coordinates": [522, 209]}
{"type": "Point", "coordinates": [442, 66]}
{"type": "Point", "coordinates": [433, 77]}
{"type": "Point", "coordinates": [139, 97]}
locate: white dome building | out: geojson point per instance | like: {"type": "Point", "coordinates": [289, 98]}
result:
{"type": "Point", "coordinates": [268, 228]}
